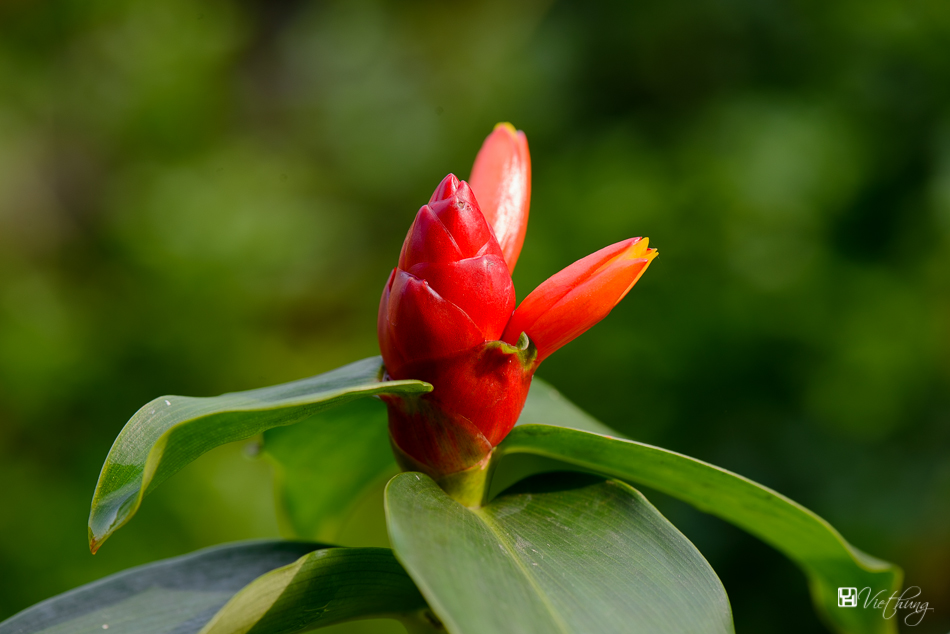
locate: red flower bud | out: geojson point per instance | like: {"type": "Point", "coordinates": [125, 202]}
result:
{"type": "Point", "coordinates": [447, 312]}
{"type": "Point", "coordinates": [441, 317]}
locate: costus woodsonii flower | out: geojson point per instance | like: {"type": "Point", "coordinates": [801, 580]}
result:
{"type": "Point", "coordinates": [447, 315]}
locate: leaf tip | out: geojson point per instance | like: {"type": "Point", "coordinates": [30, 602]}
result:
{"type": "Point", "coordinates": [95, 543]}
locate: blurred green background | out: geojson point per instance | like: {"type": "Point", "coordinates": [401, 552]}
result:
{"type": "Point", "coordinates": [207, 196]}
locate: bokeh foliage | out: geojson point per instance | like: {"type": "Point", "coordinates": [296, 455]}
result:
{"type": "Point", "coordinates": [200, 197]}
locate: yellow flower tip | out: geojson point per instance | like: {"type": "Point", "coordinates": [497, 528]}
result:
{"type": "Point", "coordinates": [640, 249]}
{"type": "Point", "coordinates": [507, 126]}
{"type": "Point", "coordinates": [641, 246]}
{"type": "Point", "coordinates": [640, 252]}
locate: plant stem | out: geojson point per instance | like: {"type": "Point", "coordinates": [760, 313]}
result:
{"type": "Point", "coordinates": [469, 487]}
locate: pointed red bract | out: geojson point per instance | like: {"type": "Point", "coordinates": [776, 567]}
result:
{"type": "Point", "coordinates": [428, 241]}
{"type": "Point", "coordinates": [487, 297]}
{"type": "Point", "coordinates": [569, 302]}
{"type": "Point", "coordinates": [424, 325]}
{"type": "Point", "coordinates": [501, 180]}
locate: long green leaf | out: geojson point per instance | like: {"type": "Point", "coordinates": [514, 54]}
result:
{"type": "Point", "coordinates": [827, 559]}
{"type": "Point", "coordinates": [557, 555]}
{"type": "Point", "coordinates": [172, 431]}
{"type": "Point", "coordinates": [319, 589]}
{"type": "Point", "coordinates": [546, 406]}
{"type": "Point", "coordinates": [325, 465]}
{"type": "Point", "coordinates": [174, 595]}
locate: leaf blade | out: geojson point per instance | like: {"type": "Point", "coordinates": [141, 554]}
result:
{"type": "Point", "coordinates": [546, 406]}
{"type": "Point", "coordinates": [171, 431]}
{"type": "Point", "coordinates": [325, 466]}
{"type": "Point", "coordinates": [178, 594]}
{"type": "Point", "coordinates": [319, 589]}
{"type": "Point", "coordinates": [553, 556]}
{"type": "Point", "coordinates": [827, 559]}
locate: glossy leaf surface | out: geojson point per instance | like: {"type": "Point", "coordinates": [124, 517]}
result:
{"type": "Point", "coordinates": [175, 595]}
{"type": "Point", "coordinates": [171, 431]}
{"type": "Point", "coordinates": [826, 558]}
{"type": "Point", "coordinates": [558, 554]}
{"type": "Point", "coordinates": [319, 589]}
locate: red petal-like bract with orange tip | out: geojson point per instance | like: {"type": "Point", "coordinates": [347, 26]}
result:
{"type": "Point", "coordinates": [569, 302]}
{"type": "Point", "coordinates": [501, 180]}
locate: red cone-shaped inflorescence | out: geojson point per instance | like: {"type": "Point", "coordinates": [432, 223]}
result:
{"type": "Point", "coordinates": [447, 314]}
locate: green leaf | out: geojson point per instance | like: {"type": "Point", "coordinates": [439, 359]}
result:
{"type": "Point", "coordinates": [174, 595]}
{"type": "Point", "coordinates": [326, 465]}
{"type": "Point", "coordinates": [546, 406]}
{"type": "Point", "coordinates": [826, 558]}
{"type": "Point", "coordinates": [319, 589]}
{"type": "Point", "coordinates": [557, 554]}
{"type": "Point", "coordinates": [172, 431]}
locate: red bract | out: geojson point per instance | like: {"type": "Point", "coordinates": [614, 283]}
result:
{"type": "Point", "coordinates": [571, 301]}
{"type": "Point", "coordinates": [447, 312]}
